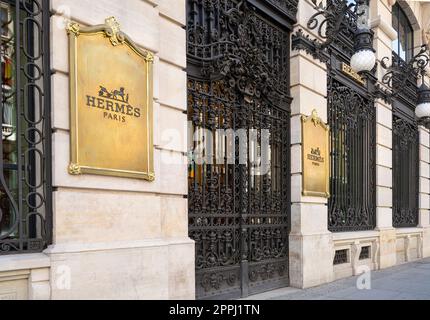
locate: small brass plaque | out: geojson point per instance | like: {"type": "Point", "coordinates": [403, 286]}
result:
{"type": "Point", "coordinates": [111, 103]}
{"type": "Point", "coordinates": [346, 69]}
{"type": "Point", "coordinates": [315, 149]}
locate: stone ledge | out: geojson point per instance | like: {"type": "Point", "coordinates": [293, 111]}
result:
{"type": "Point", "coordinates": [24, 262]}
{"type": "Point", "coordinates": [406, 231]}
{"type": "Point", "coordinates": [351, 236]}
{"type": "Point", "coordinates": [110, 246]}
{"type": "Point", "coordinates": [378, 22]}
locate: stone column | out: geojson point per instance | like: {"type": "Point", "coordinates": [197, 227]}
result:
{"type": "Point", "coordinates": [424, 197]}
{"type": "Point", "coordinates": [425, 153]}
{"type": "Point", "coordinates": [380, 13]}
{"type": "Point", "coordinates": [39, 284]}
{"type": "Point", "coordinates": [119, 238]}
{"type": "Point", "coordinates": [311, 244]}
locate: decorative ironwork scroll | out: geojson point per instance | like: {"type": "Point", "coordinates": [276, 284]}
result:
{"type": "Point", "coordinates": [335, 22]}
{"type": "Point", "coordinates": [238, 85]}
{"type": "Point", "coordinates": [288, 7]}
{"type": "Point", "coordinates": [401, 77]}
{"type": "Point", "coordinates": [329, 19]}
{"type": "Point", "coordinates": [352, 122]}
{"type": "Point", "coordinates": [25, 176]}
{"type": "Point", "coordinates": [405, 172]}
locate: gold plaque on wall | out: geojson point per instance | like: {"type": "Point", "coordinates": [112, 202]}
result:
{"type": "Point", "coordinates": [111, 103]}
{"type": "Point", "coordinates": [316, 156]}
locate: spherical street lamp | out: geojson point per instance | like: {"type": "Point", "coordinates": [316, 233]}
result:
{"type": "Point", "coordinates": [422, 110]}
{"type": "Point", "coordinates": [364, 58]}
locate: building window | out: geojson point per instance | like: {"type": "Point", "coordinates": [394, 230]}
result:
{"type": "Point", "coordinates": [341, 257]}
{"type": "Point", "coordinates": [403, 46]}
{"type": "Point", "coordinates": [25, 178]}
{"type": "Point", "coordinates": [365, 253]}
{"type": "Point", "coordinates": [405, 172]}
{"type": "Point", "coordinates": [352, 160]}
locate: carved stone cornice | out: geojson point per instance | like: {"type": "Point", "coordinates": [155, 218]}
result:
{"type": "Point", "coordinates": [386, 27]}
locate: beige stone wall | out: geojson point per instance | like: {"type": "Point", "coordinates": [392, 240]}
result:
{"type": "Point", "coordinates": [381, 23]}
{"type": "Point", "coordinates": [311, 244]}
{"type": "Point", "coordinates": [354, 244]}
{"type": "Point", "coordinates": [124, 238]}
{"type": "Point", "coordinates": [25, 277]}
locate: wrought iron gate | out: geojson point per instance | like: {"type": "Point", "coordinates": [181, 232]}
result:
{"type": "Point", "coordinates": [238, 82]}
{"type": "Point", "coordinates": [25, 174]}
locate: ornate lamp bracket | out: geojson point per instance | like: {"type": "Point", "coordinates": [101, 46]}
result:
{"type": "Point", "coordinates": [399, 74]}
{"type": "Point", "coordinates": [425, 122]}
{"type": "Point", "coordinates": [327, 22]}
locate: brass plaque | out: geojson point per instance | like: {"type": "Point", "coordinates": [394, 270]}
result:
{"type": "Point", "coordinates": [111, 103]}
{"type": "Point", "coordinates": [346, 69]}
{"type": "Point", "coordinates": [316, 156]}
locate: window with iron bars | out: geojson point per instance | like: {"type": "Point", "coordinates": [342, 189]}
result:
{"type": "Point", "coordinates": [405, 172]}
{"type": "Point", "coordinates": [25, 178]}
{"type": "Point", "coordinates": [405, 129]}
{"type": "Point", "coordinates": [352, 205]}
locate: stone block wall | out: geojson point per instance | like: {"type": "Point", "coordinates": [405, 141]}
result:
{"type": "Point", "coordinates": [311, 244]}
{"type": "Point", "coordinates": [124, 238]}
{"type": "Point", "coordinates": [25, 277]}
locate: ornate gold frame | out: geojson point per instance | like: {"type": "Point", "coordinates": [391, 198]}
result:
{"type": "Point", "coordinates": [306, 135]}
{"type": "Point", "coordinates": [111, 30]}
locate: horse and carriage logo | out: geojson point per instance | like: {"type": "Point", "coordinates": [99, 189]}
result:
{"type": "Point", "coordinates": [118, 95]}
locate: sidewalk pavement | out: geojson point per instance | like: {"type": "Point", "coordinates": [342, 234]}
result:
{"type": "Point", "coordinates": [405, 282]}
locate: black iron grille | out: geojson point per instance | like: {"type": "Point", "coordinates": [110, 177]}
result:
{"type": "Point", "coordinates": [341, 257]}
{"type": "Point", "coordinates": [352, 121]}
{"type": "Point", "coordinates": [365, 253]}
{"type": "Point", "coordinates": [405, 172]}
{"type": "Point", "coordinates": [238, 81]}
{"type": "Point", "coordinates": [25, 178]}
